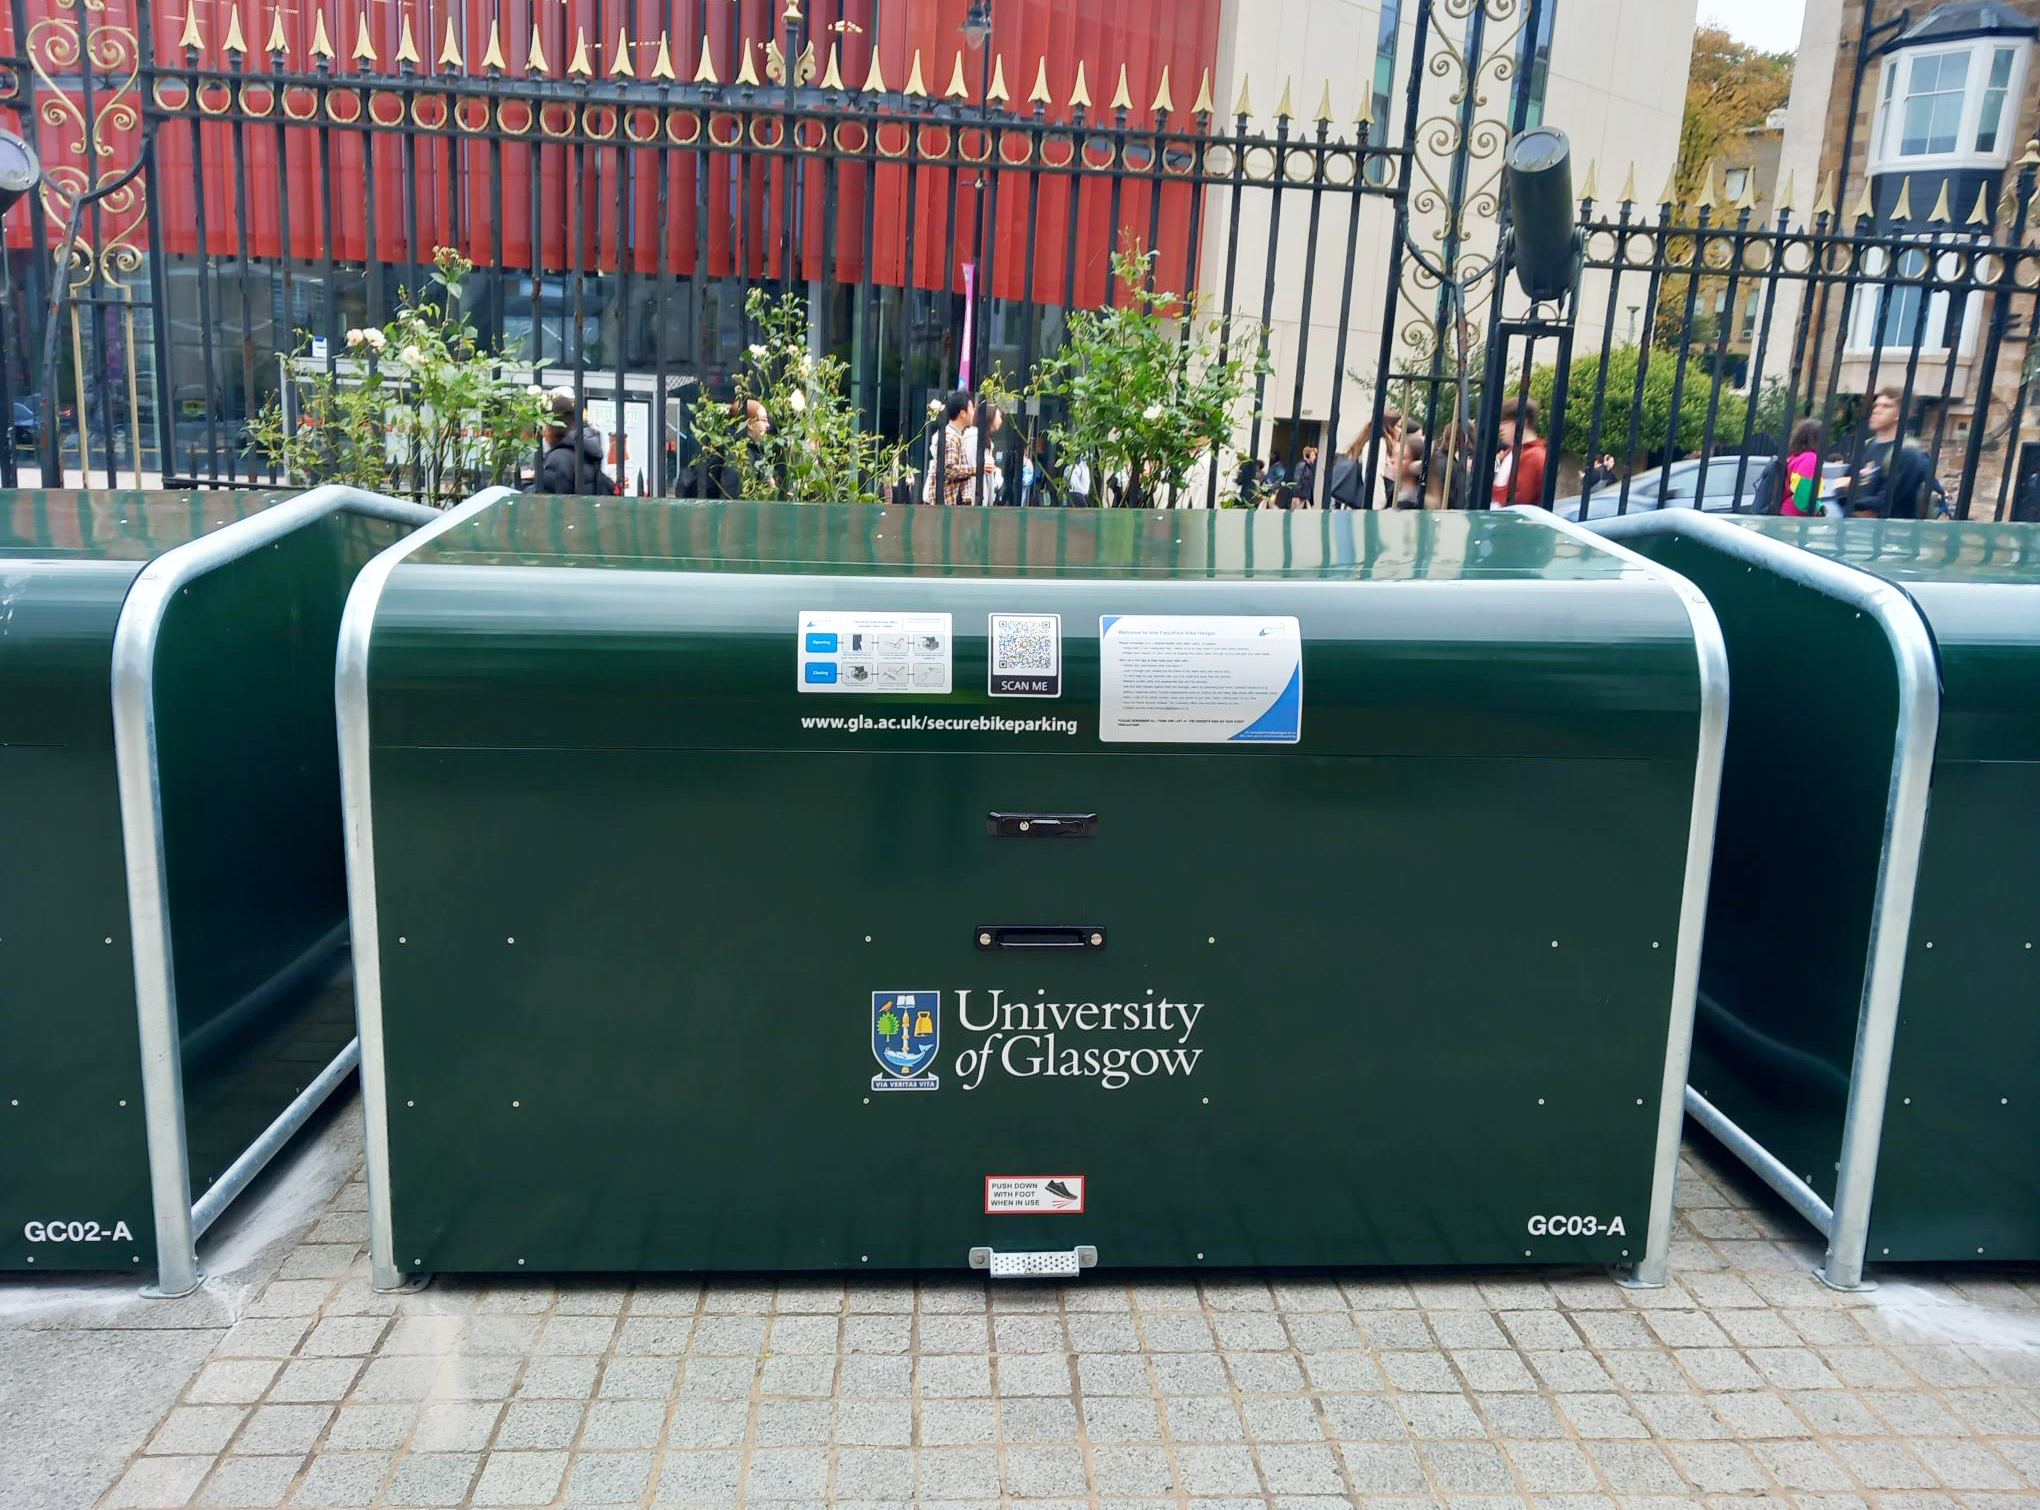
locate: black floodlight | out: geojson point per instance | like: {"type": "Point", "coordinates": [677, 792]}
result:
{"type": "Point", "coordinates": [19, 170]}
{"type": "Point", "coordinates": [1545, 240]}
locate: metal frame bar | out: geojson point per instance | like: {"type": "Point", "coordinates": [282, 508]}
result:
{"type": "Point", "coordinates": [1905, 822]}
{"type": "Point", "coordinates": [350, 696]}
{"type": "Point", "coordinates": [1711, 652]}
{"type": "Point", "coordinates": [178, 1222]}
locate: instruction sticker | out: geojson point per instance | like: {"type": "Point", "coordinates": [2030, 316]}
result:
{"type": "Point", "coordinates": [1025, 658]}
{"type": "Point", "coordinates": [1034, 1195]}
{"type": "Point", "coordinates": [1199, 679]}
{"type": "Point", "coordinates": [873, 652]}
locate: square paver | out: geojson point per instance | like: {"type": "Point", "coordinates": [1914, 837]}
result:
{"type": "Point", "coordinates": [240, 1483]}
{"type": "Point", "coordinates": [520, 1478]}
{"type": "Point", "coordinates": [432, 1478]}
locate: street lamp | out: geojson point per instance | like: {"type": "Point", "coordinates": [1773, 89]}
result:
{"type": "Point", "coordinates": [977, 25]}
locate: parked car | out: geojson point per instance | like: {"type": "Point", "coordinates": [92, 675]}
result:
{"type": "Point", "coordinates": [1673, 487]}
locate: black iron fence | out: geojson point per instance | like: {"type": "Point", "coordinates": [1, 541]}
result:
{"type": "Point", "coordinates": [620, 187]}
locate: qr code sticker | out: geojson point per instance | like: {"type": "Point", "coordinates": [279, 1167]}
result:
{"type": "Point", "coordinates": [1024, 644]}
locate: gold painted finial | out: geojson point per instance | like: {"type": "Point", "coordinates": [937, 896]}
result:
{"type": "Point", "coordinates": [277, 42]}
{"type": "Point", "coordinates": [322, 40]}
{"type": "Point", "coordinates": [2030, 158]}
{"type": "Point", "coordinates": [704, 71]}
{"type": "Point", "coordinates": [1081, 94]}
{"type": "Point", "coordinates": [235, 43]}
{"type": "Point", "coordinates": [535, 60]}
{"type": "Point", "coordinates": [747, 72]}
{"type": "Point", "coordinates": [1747, 200]}
{"type": "Point", "coordinates": [832, 76]}
{"type": "Point", "coordinates": [1324, 106]}
{"type": "Point", "coordinates": [1122, 97]}
{"type": "Point", "coordinates": [957, 90]}
{"type": "Point", "coordinates": [1824, 201]}
{"type": "Point", "coordinates": [1204, 102]}
{"type": "Point", "coordinates": [1163, 105]}
{"type": "Point", "coordinates": [1284, 110]}
{"type": "Point", "coordinates": [1939, 215]}
{"type": "Point", "coordinates": [917, 86]}
{"type": "Point", "coordinates": [1244, 106]}
{"type": "Point", "coordinates": [1865, 206]}
{"type": "Point", "coordinates": [191, 41]}
{"type": "Point", "coordinates": [1364, 116]}
{"type": "Point", "coordinates": [449, 50]}
{"type": "Point", "coordinates": [1628, 194]}
{"type": "Point", "coordinates": [1587, 189]}
{"type": "Point", "coordinates": [620, 68]}
{"type": "Point", "coordinates": [579, 65]}
{"type": "Point", "coordinates": [662, 65]}
{"type": "Point", "coordinates": [1706, 200]}
{"type": "Point", "coordinates": [998, 93]}
{"type": "Point", "coordinates": [1981, 214]}
{"type": "Point", "coordinates": [364, 44]}
{"type": "Point", "coordinates": [407, 44]}
{"type": "Point", "coordinates": [1901, 208]}
{"type": "Point", "coordinates": [1671, 193]}
{"type": "Point", "coordinates": [1039, 94]}
{"type": "Point", "coordinates": [1782, 204]}
{"type": "Point", "coordinates": [492, 55]}
{"type": "Point", "coordinates": [874, 81]}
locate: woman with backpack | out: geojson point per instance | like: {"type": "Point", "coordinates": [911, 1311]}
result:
{"type": "Point", "coordinates": [1800, 496]}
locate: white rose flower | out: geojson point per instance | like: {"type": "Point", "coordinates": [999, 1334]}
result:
{"type": "Point", "coordinates": [934, 406]}
{"type": "Point", "coordinates": [807, 363]}
{"type": "Point", "coordinates": [375, 338]}
{"type": "Point", "coordinates": [758, 353]}
{"type": "Point", "coordinates": [797, 401]}
{"type": "Point", "coordinates": [412, 354]}
{"type": "Point", "coordinates": [534, 391]}
{"type": "Point", "coordinates": [356, 336]}
{"type": "Point", "coordinates": [1152, 413]}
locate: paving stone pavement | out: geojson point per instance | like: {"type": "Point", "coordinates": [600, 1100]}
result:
{"type": "Point", "coordinates": [1745, 1382]}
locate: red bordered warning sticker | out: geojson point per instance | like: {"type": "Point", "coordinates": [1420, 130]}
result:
{"type": "Point", "coordinates": [1034, 1195]}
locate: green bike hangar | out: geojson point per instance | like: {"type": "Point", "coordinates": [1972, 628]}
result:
{"type": "Point", "coordinates": [174, 992]}
{"type": "Point", "coordinates": [1865, 1039]}
{"type": "Point", "coordinates": [769, 887]}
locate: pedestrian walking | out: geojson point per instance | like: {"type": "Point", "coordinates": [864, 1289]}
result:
{"type": "Point", "coordinates": [1078, 478]}
{"type": "Point", "coordinates": [1799, 498]}
{"type": "Point", "coordinates": [951, 451]}
{"type": "Point", "coordinates": [572, 459]}
{"type": "Point", "coordinates": [1305, 484]}
{"type": "Point", "coordinates": [1519, 470]}
{"type": "Point", "coordinates": [1891, 478]}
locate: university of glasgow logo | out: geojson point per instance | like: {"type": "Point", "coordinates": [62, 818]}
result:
{"type": "Point", "coordinates": [906, 1034]}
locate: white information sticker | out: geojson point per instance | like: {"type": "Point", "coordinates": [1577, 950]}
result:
{"type": "Point", "coordinates": [1034, 1195]}
{"type": "Point", "coordinates": [873, 652]}
{"type": "Point", "coordinates": [1199, 679]}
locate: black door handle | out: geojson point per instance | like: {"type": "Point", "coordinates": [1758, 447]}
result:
{"type": "Point", "coordinates": [1034, 936]}
{"type": "Point", "coordinates": [1041, 825]}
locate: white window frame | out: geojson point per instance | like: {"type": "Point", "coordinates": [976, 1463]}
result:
{"type": "Point", "coordinates": [1863, 312]}
{"type": "Point", "coordinates": [1887, 132]}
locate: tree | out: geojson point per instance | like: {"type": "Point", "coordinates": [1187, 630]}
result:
{"type": "Point", "coordinates": [417, 407]}
{"type": "Point", "coordinates": [1654, 408]}
{"type": "Point", "coordinates": [1731, 88]}
{"type": "Point", "coordinates": [888, 1022]}
{"type": "Point", "coordinates": [1140, 397]}
{"type": "Point", "coordinates": [813, 450]}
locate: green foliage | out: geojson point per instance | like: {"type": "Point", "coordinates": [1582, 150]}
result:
{"type": "Point", "coordinates": [888, 1023]}
{"type": "Point", "coordinates": [1141, 398]}
{"type": "Point", "coordinates": [812, 450]}
{"type": "Point", "coordinates": [1660, 376]}
{"type": "Point", "coordinates": [418, 407]}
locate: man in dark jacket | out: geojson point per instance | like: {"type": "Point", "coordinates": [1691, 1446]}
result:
{"type": "Point", "coordinates": [572, 462]}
